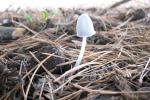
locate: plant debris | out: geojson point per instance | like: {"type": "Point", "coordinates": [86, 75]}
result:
{"type": "Point", "coordinates": [33, 59]}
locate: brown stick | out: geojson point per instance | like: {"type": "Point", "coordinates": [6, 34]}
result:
{"type": "Point", "coordinates": [119, 3]}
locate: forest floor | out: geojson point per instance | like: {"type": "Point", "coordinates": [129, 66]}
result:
{"type": "Point", "coordinates": [37, 47]}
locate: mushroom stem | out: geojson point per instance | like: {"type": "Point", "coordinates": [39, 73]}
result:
{"type": "Point", "coordinates": [78, 61]}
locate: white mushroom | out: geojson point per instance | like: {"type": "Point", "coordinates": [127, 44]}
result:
{"type": "Point", "coordinates": [84, 29]}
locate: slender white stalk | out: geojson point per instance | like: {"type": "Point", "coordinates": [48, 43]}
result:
{"type": "Point", "coordinates": [81, 52]}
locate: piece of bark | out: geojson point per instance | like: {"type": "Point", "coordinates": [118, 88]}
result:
{"type": "Point", "coordinates": [10, 33]}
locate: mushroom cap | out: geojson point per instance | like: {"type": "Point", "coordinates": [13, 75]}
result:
{"type": "Point", "coordinates": [84, 26]}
